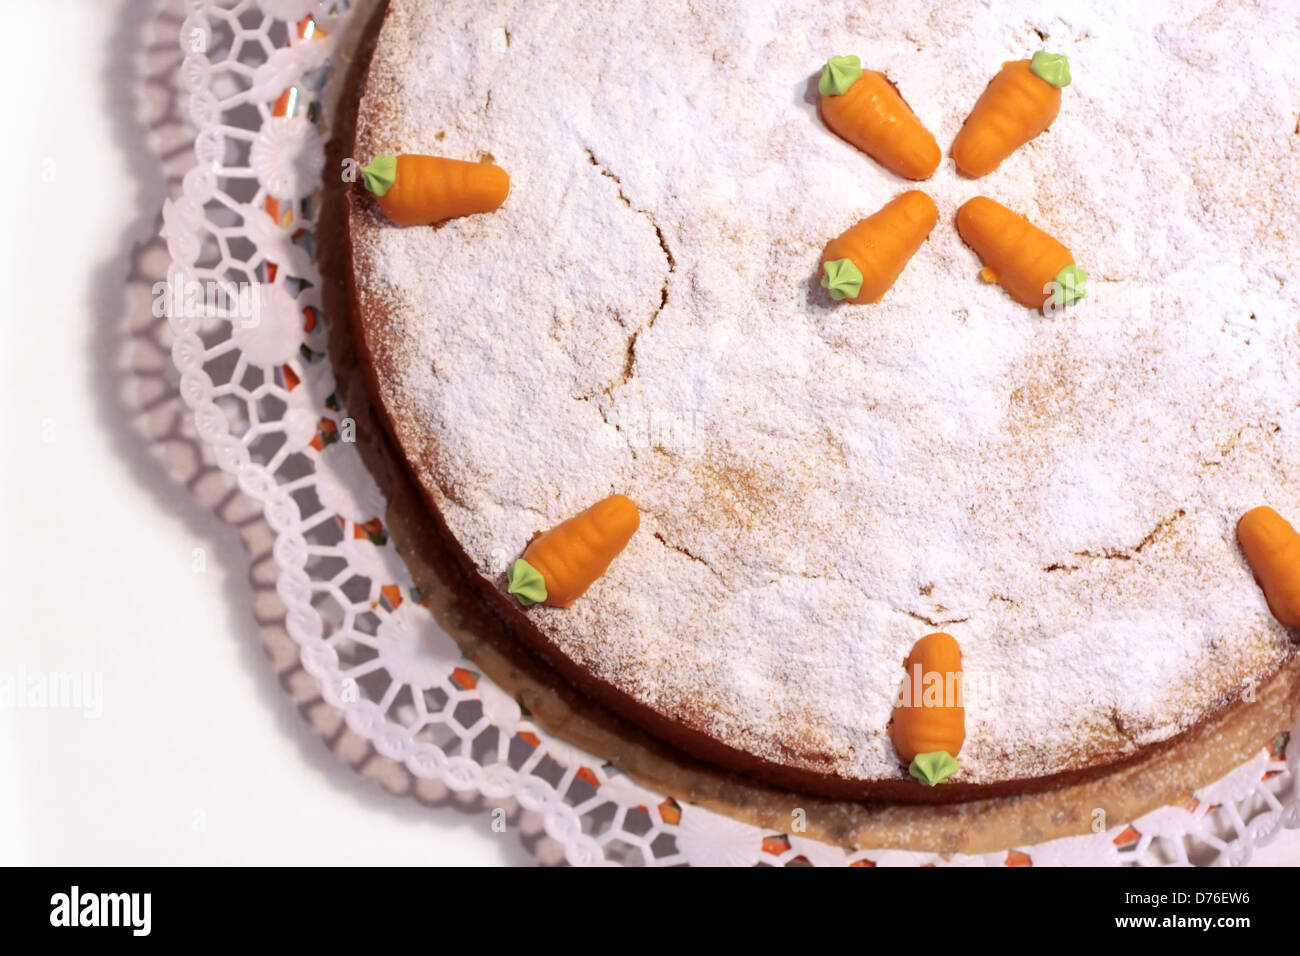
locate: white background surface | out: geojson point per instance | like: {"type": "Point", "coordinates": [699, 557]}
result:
{"type": "Point", "coordinates": [95, 572]}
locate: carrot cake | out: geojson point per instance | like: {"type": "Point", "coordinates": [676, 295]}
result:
{"type": "Point", "coordinates": [822, 481]}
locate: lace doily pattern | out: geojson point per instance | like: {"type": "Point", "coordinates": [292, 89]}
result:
{"type": "Point", "coordinates": [250, 347]}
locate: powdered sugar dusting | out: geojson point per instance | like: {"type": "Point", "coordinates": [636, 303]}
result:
{"type": "Point", "coordinates": [820, 484]}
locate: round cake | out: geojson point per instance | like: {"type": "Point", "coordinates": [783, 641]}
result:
{"type": "Point", "coordinates": [822, 483]}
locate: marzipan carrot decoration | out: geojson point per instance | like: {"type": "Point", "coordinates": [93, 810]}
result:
{"type": "Point", "coordinates": [415, 190]}
{"type": "Point", "coordinates": [929, 723]}
{"type": "Point", "coordinates": [559, 565]}
{"type": "Point", "coordinates": [863, 107]}
{"type": "Point", "coordinates": [1032, 266]}
{"type": "Point", "coordinates": [1018, 104]}
{"type": "Point", "coordinates": [862, 263]}
{"type": "Point", "coordinates": [1272, 547]}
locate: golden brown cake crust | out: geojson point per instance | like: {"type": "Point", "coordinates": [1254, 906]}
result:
{"type": "Point", "coordinates": [373, 321]}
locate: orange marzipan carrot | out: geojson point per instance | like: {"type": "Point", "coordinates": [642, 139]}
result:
{"type": "Point", "coordinates": [881, 245]}
{"type": "Point", "coordinates": [1017, 255]}
{"type": "Point", "coordinates": [1272, 547]}
{"type": "Point", "coordinates": [1017, 105]}
{"type": "Point", "coordinates": [420, 190]}
{"type": "Point", "coordinates": [874, 117]}
{"type": "Point", "coordinates": [572, 555]}
{"type": "Point", "coordinates": [936, 722]}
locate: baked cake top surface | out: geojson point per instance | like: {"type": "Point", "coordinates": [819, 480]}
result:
{"type": "Point", "coordinates": [821, 484]}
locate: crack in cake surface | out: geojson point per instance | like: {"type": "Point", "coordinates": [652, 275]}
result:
{"type": "Point", "coordinates": [629, 361]}
{"type": "Point", "coordinates": [1127, 554]}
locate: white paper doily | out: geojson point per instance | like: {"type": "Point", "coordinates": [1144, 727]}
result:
{"type": "Point", "coordinates": [262, 392]}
